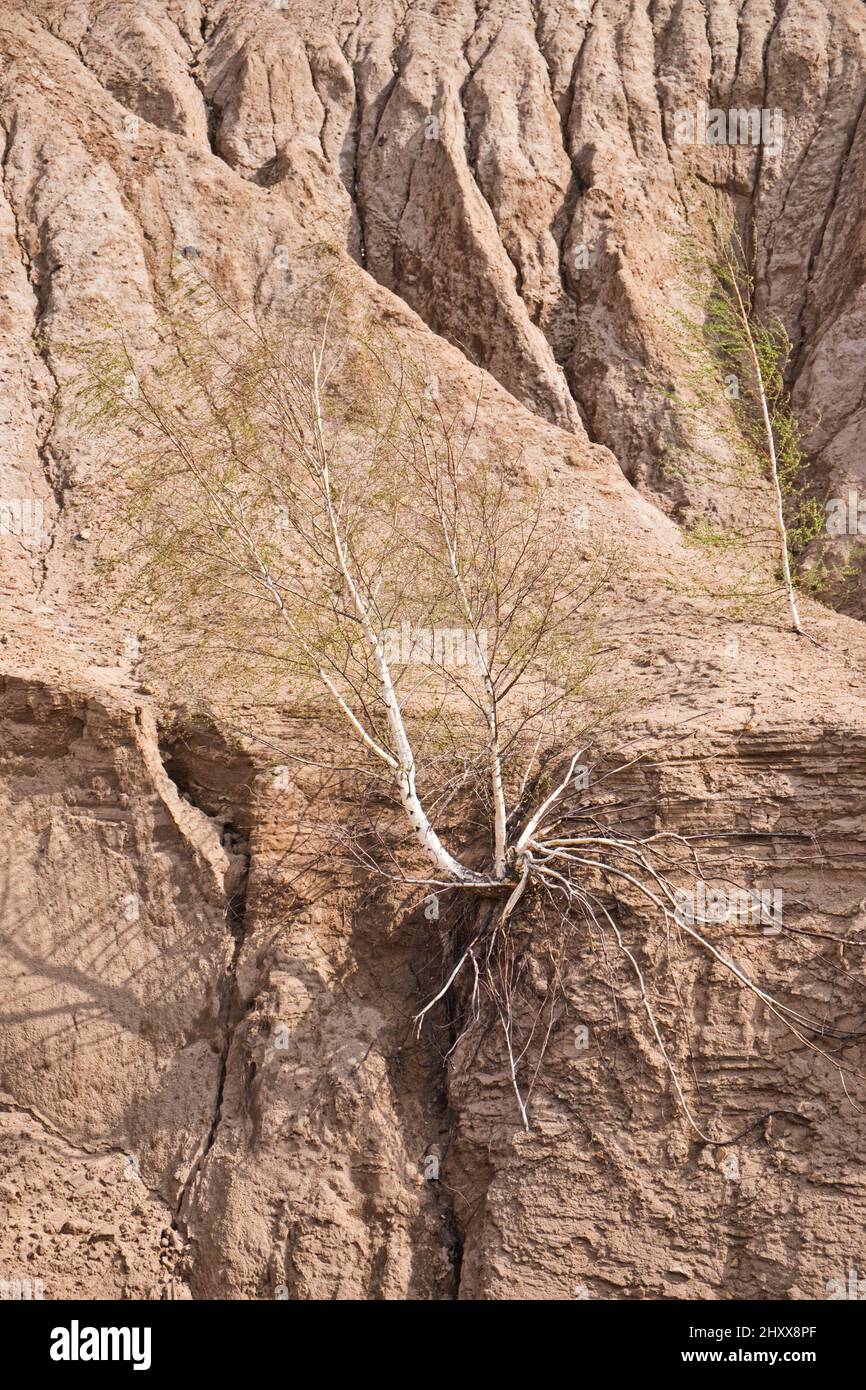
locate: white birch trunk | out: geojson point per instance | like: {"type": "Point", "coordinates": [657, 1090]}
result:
{"type": "Point", "coordinates": [403, 763]}
{"type": "Point", "coordinates": [774, 465]}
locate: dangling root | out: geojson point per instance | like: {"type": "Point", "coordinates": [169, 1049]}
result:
{"type": "Point", "coordinates": [562, 867]}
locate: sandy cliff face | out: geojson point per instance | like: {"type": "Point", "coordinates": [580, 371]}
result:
{"type": "Point", "coordinates": [210, 1085]}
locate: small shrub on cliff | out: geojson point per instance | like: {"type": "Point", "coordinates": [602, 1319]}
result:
{"type": "Point", "coordinates": [736, 397]}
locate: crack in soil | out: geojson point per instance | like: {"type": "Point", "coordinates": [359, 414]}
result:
{"type": "Point", "coordinates": [190, 766]}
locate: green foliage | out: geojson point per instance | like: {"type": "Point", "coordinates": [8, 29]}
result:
{"type": "Point", "coordinates": [742, 428]}
{"type": "Point", "coordinates": [227, 478]}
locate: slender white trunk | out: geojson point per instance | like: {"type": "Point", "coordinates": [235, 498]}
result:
{"type": "Point", "coordinates": [499, 813]}
{"type": "Point", "coordinates": [780, 515]}
{"type": "Point", "coordinates": [547, 805]}
{"type": "Point", "coordinates": [774, 464]}
{"type": "Point", "coordinates": [403, 764]}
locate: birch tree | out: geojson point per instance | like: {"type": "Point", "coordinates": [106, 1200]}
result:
{"type": "Point", "coordinates": [307, 509]}
{"type": "Point", "coordinates": [738, 392]}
